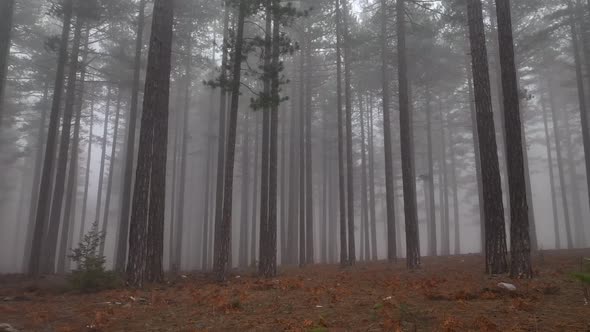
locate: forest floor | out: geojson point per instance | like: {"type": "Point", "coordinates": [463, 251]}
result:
{"type": "Point", "coordinates": [446, 294]}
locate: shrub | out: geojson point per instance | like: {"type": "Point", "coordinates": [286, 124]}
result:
{"type": "Point", "coordinates": [90, 274]}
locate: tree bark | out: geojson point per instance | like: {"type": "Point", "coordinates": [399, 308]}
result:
{"type": "Point", "coordinates": [72, 189]}
{"type": "Point", "coordinates": [223, 236]}
{"type": "Point", "coordinates": [387, 140]}
{"type": "Point", "coordinates": [341, 171]}
{"type": "Point", "coordinates": [456, 215]}
{"type": "Point", "coordinates": [364, 186]}
{"type": "Point", "coordinates": [408, 168]}
{"type": "Point", "coordinates": [221, 140]}
{"type": "Point", "coordinates": [372, 212]}
{"type": "Point", "coordinates": [123, 233]}
{"type": "Point", "coordinates": [42, 212]}
{"type": "Point", "coordinates": [520, 245]}
{"type": "Point", "coordinates": [444, 187]}
{"type": "Point", "coordinates": [348, 108]}
{"type": "Point", "coordinates": [551, 175]}
{"type": "Point", "coordinates": [105, 134]}
{"type": "Point", "coordinates": [87, 175]}
{"type": "Point", "coordinates": [560, 170]}
{"type": "Point", "coordinates": [107, 199]}
{"type": "Point", "coordinates": [7, 7]}
{"type": "Point", "coordinates": [51, 240]}
{"type": "Point", "coordinates": [41, 136]}
{"type": "Point", "coordinates": [309, 225]}
{"type": "Point", "coordinates": [245, 187]}
{"type": "Point", "coordinates": [492, 188]}
{"type": "Point", "coordinates": [432, 239]}
{"type": "Point", "coordinates": [147, 214]}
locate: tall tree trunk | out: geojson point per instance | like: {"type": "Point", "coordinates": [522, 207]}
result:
{"type": "Point", "coordinates": [270, 269]}
{"type": "Point", "coordinates": [146, 239]}
{"type": "Point", "coordinates": [372, 213]}
{"type": "Point", "coordinates": [309, 225]}
{"type": "Point", "coordinates": [495, 243]}
{"type": "Point", "coordinates": [301, 137]}
{"type": "Point", "coordinates": [123, 233]}
{"type": "Point", "coordinates": [103, 156]}
{"type": "Point", "coordinates": [51, 241]}
{"type": "Point", "coordinates": [171, 246]}
{"type": "Point", "coordinates": [444, 187]}
{"type": "Point", "coordinates": [7, 7]}
{"type": "Point", "coordinates": [364, 195]}
{"type": "Point", "coordinates": [42, 212]}
{"type": "Point", "coordinates": [520, 245]}
{"type": "Point", "coordinates": [72, 189]}
{"type": "Point", "coordinates": [551, 175]}
{"type": "Point", "coordinates": [223, 236]}
{"type": "Point", "coordinates": [348, 107]}
{"type": "Point", "coordinates": [475, 136]}
{"type": "Point", "coordinates": [456, 215]}
{"type": "Point", "coordinates": [409, 176]}
{"type": "Point", "coordinates": [583, 119]}
{"type": "Point", "coordinates": [387, 140]}
{"type": "Point", "coordinates": [341, 180]}
{"type": "Point", "coordinates": [560, 170]}
{"type": "Point", "coordinates": [41, 136]}
{"type": "Point", "coordinates": [179, 222]}
{"type": "Point", "coordinates": [255, 193]}
{"type": "Point", "coordinates": [221, 141]}
{"type": "Point", "coordinates": [583, 107]}
{"type": "Point", "coordinates": [265, 166]}
{"type": "Point", "coordinates": [432, 244]}
{"type": "Point", "coordinates": [107, 199]}
{"type": "Point", "coordinates": [283, 178]}
{"type": "Point", "coordinates": [208, 191]}
{"type": "Point", "coordinates": [87, 175]}
{"type": "Point", "coordinates": [245, 187]}
{"type": "Point", "coordinates": [577, 226]}
{"type": "Point", "coordinates": [324, 205]}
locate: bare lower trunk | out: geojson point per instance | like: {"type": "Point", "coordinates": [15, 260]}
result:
{"type": "Point", "coordinates": [46, 185]}
{"type": "Point", "coordinates": [495, 244]}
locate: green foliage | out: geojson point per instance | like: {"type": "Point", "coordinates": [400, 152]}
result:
{"type": "Point", "coordinates": [90, 274]}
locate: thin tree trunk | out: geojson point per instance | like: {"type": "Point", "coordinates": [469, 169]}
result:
{"type": "Point", "coordinates": [223, 236]}
{"type": "Point", "coordinates": [179, 222]}
{"type": "Point", "coordinates": [87, 175]}
{"type": "Point", "coordinates": [341, 180]}
{"type": "Point", "coordinates": [6, 7]}
{"type": "Point", "coordinates": [245, 187]}
{"type": "Point", "coordinates": [309, 225]}
{"type": "Point", "coordinates": [372, 213]}
{"type": "Point", "coordinates": [174, 268]}
{"type": "Point", "coordinates": [573, 187]}
{"type": "Point", "coordinates": [107, 200]}
{"type": "Point", "coordinates": [432, 244]}
{"type": "Point", "coordinates": [103, 158]}
{"type": "Point", "coordinates": [123, 233]}
{"type": "Point", "coordinates": [51, 240]}
{"type": "Point", "coordinates": [42, 210]}
{"type": "Point", "coordinates": [301, 137]}
{"type": "Point", "coordinates": [444, 187]}
{"type": "Point", "coordinates": [265, 165]}
{"type": "Point", "coordinates": [348, 107]}
{"type": "Point", "coordinates": [456, 215]}
{"type": "Point", "coordinates": [364, 198]}
{"type": "Point", "coordinates": [408, 170]}
{"type": "Point", "coordinates": [551, 175]}
{"type": "Point", "coordinates": [560, 170]}
{"type": "Point", "coordinates": [208, 191]}
{"type": "Point", "coordinates": [41, 136]}
{"type": "Point", "coordinates": [221, 142]}
{"type": "Point", "coordinates": [255, 193]}
{"type": "Point", "coordinates": [72, 189]}
{"type": "Point", "coordinates": [492, 187]}
{"type": "Point", "coordinates": [387, 140]}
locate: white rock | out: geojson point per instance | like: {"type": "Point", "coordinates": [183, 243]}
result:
{"type": "Point", "coordinates": [7, 328]}
{"type": "Point", "coordinates": [507, 286]}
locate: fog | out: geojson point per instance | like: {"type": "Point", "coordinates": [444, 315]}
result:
{"type": "Point", "coordinates": [552, 57]}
